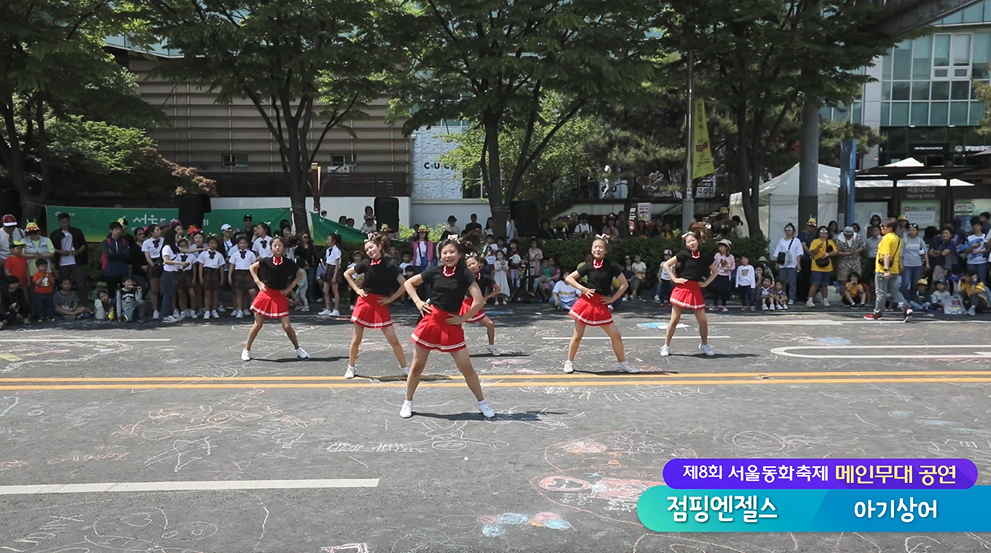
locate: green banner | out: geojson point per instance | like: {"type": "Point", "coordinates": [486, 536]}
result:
{"type": "Point", "coordinates": [95, 221]}
{"type": "Point", "coordinates": [322, 228]}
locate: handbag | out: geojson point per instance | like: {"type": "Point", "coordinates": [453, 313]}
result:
{"type": "Point", "coordinates": [822, 262]}
{"type": "Point", "coordinates": [783, 256]}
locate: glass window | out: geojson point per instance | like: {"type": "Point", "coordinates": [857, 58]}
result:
{"type": "Point", "coordinates": [917, 135]}
{"type": "Point", "coordinates": [937, 134]}
{"type": "Point", "coordinates": [957, 136]}
{"type": "Point", "coordinates": [960, 90]}
{"type": "Point", "coordinates": [922, 48]}
{"type": "Point", "coordinates": [987, 11]}
{"type": "Point", "coordinates": [941, 90]}
{"type": "Point", "coordinates": [920, 114]}
{"type": "Point", "coordinates": [958, 113]}
{"type": "Point", "coordinates": [886, 67]}
{"type": "Point", "coordinates": [886, 91]}
{"type": "Point", "coordinates": [921, 68]}
{"type": "Point", "coordinates": [974, 14]}
{"type": "Point", "coordinates": [885, 113]}
{"type": "Point", "coordinates": [899, 90]}
{"type": "Point", "coordinates": [982, 55]}
{"type": "Point", "coordinates": [961, 49]}
{"type": "Point", "coordinates": [941, 50]}
{"type": "Point", "coordinates": [939, 114]}
{"type": "Point", "coordinates": [857, 114]}
{"type": "Point", "coordinates": [977, 111]}
{"type": "Point", "coordinates": [902, 65]}
{"type": "Point", "coordinates": [899, 114]}
{"type": "Point", "coordinates": [920, 90]}
{"type": "Point", "coordinates": [954, 19]}
{"type": "Point", "coordinates": [897, 140]}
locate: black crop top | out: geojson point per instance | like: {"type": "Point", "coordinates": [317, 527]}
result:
{"type": "Point", "coordinates": [691, 268]}
{"type": "Point", "coordinates": [277, 277]}
{"type": "Point", "coordinates": [381, 277]}
{"type": "Point", "coordinates": [600, 279]}
{"type": "Point", "coordinates": [448, 291]}
{"type": "Point", "coordinates": [485, 284]}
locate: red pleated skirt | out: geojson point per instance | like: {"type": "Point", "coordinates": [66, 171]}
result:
{"type": "Point", "coordinates": [466, 306]}
{"type": "Point", "coordinates": [271, 304]}
{"type": "Point", "coordinates": [591, 311]}
{"type": "Point", "coordinates": [369, 313]}
{"type": "Point", "coordinates": [688, 296]}
{"type": "Point", "coordinates": [435, 333]}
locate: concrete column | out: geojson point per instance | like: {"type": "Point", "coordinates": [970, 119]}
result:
{"type": "Point", "coordinates": [808, 173]}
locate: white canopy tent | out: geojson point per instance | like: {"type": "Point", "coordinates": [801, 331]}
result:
{"type": "Point", "coordinates": [779, 197]}
{"type": "Point", "coordinates": [779, 202]}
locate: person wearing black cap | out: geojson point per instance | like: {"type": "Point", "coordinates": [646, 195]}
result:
{"type": "Point", "coordinates": [249, 228]}
{"type": "Point", "coordinates": [116, 256]}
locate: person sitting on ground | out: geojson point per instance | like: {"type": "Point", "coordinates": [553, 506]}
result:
{"type": "Point", "coordinates": [780, 296]}
{"type": "Point", "coordinates": [975, 295]}
{"type": "Point", "coordinates": [67, 302]}
{"type": "Point", "coordinates": [13, 304]}
{"type": "Point", "coordinates": [941, 296]}
{"type": "Point", "coordinates": [130, 305]}
{"type": "Point", "coordinates": [921, 297]}
{"type": "Point", "coordinates": [853, 291]}
{"type": "Point", "coordinates": [563, 295]}
{"type": "Point", "coordinates": [766, 294]}
{"type": "Point", "coordinates": [103, 308]}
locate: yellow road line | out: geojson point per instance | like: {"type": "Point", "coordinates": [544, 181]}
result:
{"type": "Point", "coordinates": [575, 376]}
{"type": "Point", "coordinates": [585, 383]}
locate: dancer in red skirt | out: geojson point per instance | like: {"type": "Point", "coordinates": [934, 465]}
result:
{"type": "Point", "coordinates": [279, 275]}
{"type": "Point", "coordinates": [690, 271]}
{"type": "Point", "coordinates": [592, 307]}
{"type": "Point", "coordinates": [440, 329]}
{"type": "Point", "coordinates": [382, 285]}
{"type": "Point", "coordinates": [485, 282]}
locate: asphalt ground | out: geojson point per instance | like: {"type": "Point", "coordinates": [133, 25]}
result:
{"type": "Point", "coordinates": [181, 425]}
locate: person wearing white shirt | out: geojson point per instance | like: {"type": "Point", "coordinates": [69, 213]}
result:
{"type": "Point", "coordinates": [582, 229]}
{"type": "Point", "coordinates": [240, 277]}
{"type": "Point", "coordinates": [563, 295]}
{"type": "Point", "coordinates": [171, 265]}
{"type": "Point", "coordinates": [332, 272]}
{"type": "Point", "coordinates": [210, 270]}
{"type": "Point", "coordinates": [262, 246]}
{"type": "Point", "coordinates": [184, 279]}
{"type": "Point", "coordinates": [789, 254]}
{"type": "Point", "coordinates": [746, 283]}
{"type": "Point", "coordinates": [152, 248]}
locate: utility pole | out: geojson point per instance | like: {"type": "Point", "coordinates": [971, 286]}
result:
{"type": "Point", "coordinates": [688, 202]}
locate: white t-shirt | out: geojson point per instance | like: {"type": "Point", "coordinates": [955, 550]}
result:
{"type": "Point", "coordinates": [583, 228]}
{"type": "Point", "coordinates": [565, 291]}
{"type": "Point", "coordinates": [792, 248]}
{"type": "Point", "coordinates": [402, 266]}
{"type": "Point", "coordinates": [242, 262]}
{"type": "Point", "coordinates": [262, 247]}
{"type": "Point", "coordinates": [664, 274]}
{"type": "Point", "coordinates": [745, 276]}
{"type": "Point", "coordinates": [153, 246]}
{"type": "Point", "coordinates": [70, 259]}
{"type": "Point", "coordinates": [168, 253]}
{"type": "Point", "coordinates": [640, 267]}
{"type": "Point", "coordinates": [211, 263]}
{"type": "Point", "coordinates": [333, 256]}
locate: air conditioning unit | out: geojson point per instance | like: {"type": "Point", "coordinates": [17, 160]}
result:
{"type": "Point", "coordinates": [347, 168]}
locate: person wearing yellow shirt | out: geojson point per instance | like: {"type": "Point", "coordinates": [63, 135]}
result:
{"type": "Point", "coordinates": [887, 272]}
{"type": "Point", "coordinates": [822, 250]}
{"type": "Point", "coordinates": [976, 297]}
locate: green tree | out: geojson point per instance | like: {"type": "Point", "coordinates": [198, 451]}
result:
{"type": "Point", "coordinates": [53, 60]}
{"type": "Point", "coordinates": [494, 64]}
{"type": "Point", "coordinates": [307, 65]}
{"type": "Point", "coordinates": [761, 59]}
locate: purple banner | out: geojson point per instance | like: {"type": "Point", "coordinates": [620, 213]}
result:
{"type": "Point", "coordinates": [820, 474]}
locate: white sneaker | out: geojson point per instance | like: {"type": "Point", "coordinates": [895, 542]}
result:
{"type": "Point", "coordinates": [216, 315]}
{"type": "Point", "coordinates": [569, 367]}
{"type": "Point", "coordinates": [407, 410]}
{"type": "Point", "coordinates": [707, 349]}
{"type": "Point", "coordinates": [763, 307]}
{"type": "Point", "coordinates": [785, 307]}
{"type": "Point", "coordinates": [301, 353]}
{"type": "Point", "coordinates": [334, 313]}
{"type": "Point", "coordinates": [221, 309]}
{"type": "Point", "coordinates": [487, 411]}
{"type": "Point", "coordinates": [170, 320]}
{"type": "Point", "coordinates": [245, 355]}
{"type": "Point", "coordinates": [791, 302]}
{"type": "Point", "coordinates": [206, 315]}
{"type": "Point", "coordinates": [825, 302]}
{"type": "Point", "coordinates": [493, 349]}
{"type": "Point", "coordinates": [665, 350]}
{"type": "Point", "coordinates": [176, 314]}
{"type": "Point", "coordinates": [972, 311]}
{"type": "Point", "coordinates": [156, 315]}
{"type": "Point", "coordinates": [349, 374]}
{"type": "Point", "coordinates": [405, 370]}
{"type": "Point", "coordinates": [324, 313]}
{"type": "Point", "coordinates": [810, 303]}
{"type": "Point", "coordinates": [239, 314]}
{"type": "Point", "coordinates": [626, 367]}
{"type": "Point", "coordinates": [657, 298]}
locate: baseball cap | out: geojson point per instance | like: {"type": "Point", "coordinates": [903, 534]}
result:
{"type": "Point", "coordinates": [247, 217]}
{"type": "Point", "coordinates": [762, 258]}
{"type": "Point", "coordinates": [17, 243]}
{"type": "Point", "coordinates": [913, 225]}
{"type": "Point", "coordinates": [923, 281]}
{"type": "Point", "coordinates": [940, 281]}
{"type": "Point", "coordinates": [9, 220]}
{"type": "Point", "coordinates": [225, 226]}
{"type": "Point", "coordinates": [902, 218]}
{"type": "Point", "coordinates": [122, 221]}
{"type": "Point", "coordinates": [847, 230]}
{"type": "Point", "coordinates": [812, 221]}
{"type": "Point", "coordinates": [32, 227]}
{"type": "Point", "coordinates": [668, 252]}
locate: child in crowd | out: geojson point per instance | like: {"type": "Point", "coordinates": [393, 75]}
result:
{"type": "Point", "coordinates": [941, 296]}
{"type": "Point", "coordinates": [545, 282]}
{"type": "Point", "coordinates": [921, 298]}
{"type": "Point", "coordinates": [299, 296]}
{"type": "Point", "coordinates": [639, 275]}
{"type": "Point", "coordinates": [13, 305]}
{"type": "Point", "coordinates": [17, 265]}
{"type": "Point", "coordinates": [240, 277]}
{"type": "Point", "coordinates": [746, 283]}
{"type": "Point", "coordinates": [764, 268]}
{"type": "Point", "coordinates": [43, 290]}
{"type": "Point", "coordinates": [725, 265]}
{"type": "Point", "coordinates": [103, 308]}
{"type": "Point", "coordinates": [130, 305]}
{"type": "Point", "coordinates": [356, 257]}
{"type": "Point", "coordinates": [407, 262]}
{"type": "Point", "coordinates": [210, 272]}
{"type": "Point", "coordinates": [975, 295]}
{"type": "Point", "coordinates": [854, 293]}
{"type": "Point", "coordinates": [766, 294]}
{"type": "Point", "coordinates": [662, 290]}
{"type": "Point", "coordinates": [67, 302]}
{"type": "Point", "coordinates": [780, 296]}
{"type": "Point", "coordinates": [501, 277]}
{"type": "Point", "coordinates": [564, 295]}
{"type": "Point", "coordinates": [490, 249]}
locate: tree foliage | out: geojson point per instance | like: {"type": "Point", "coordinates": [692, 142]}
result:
{"type": "Point", "coordinates": [494, 63]}
{"type": "Point", "coordinates": [307, 65]}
